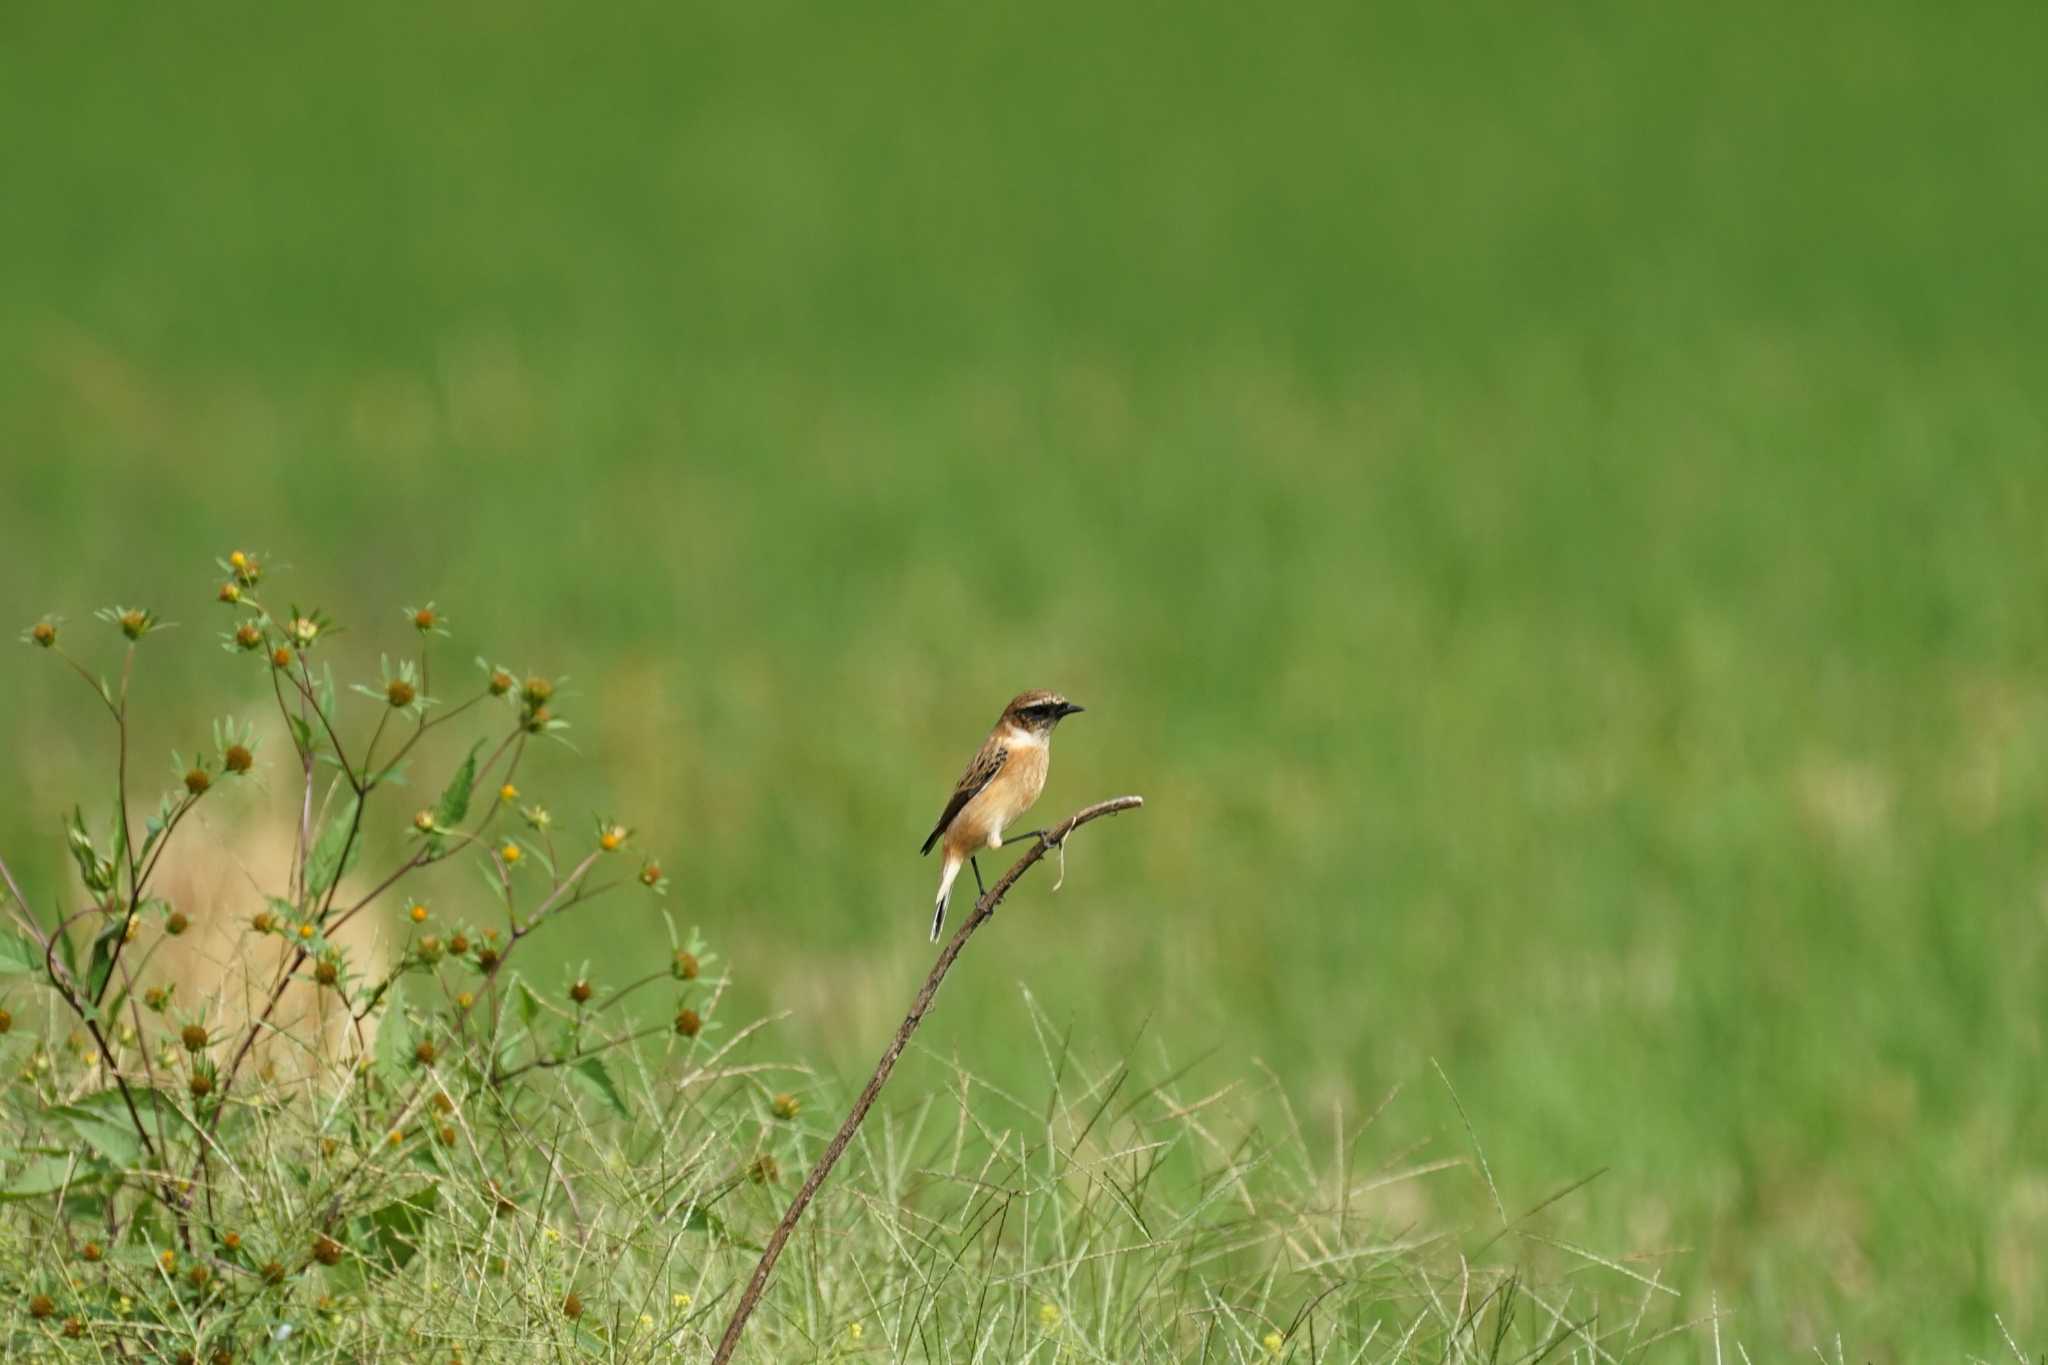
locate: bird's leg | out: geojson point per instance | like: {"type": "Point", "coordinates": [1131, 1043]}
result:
{"type": "Point", "coordinates": [980, 890]}
{"type": "Point", "coordinates": [1027, 834]}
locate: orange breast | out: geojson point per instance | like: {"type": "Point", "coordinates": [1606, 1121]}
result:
{"type": "Point", "coordinates": [1008, 795]}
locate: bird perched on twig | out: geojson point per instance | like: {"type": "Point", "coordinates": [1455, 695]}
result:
{"type": "Point", "coordinates": [1005, 777]}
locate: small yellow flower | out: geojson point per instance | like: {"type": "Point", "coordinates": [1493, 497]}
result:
{"type": "Point", "coordinates": [307, 930]}
{"type": "Point", "coordinates": [646, 1321]}
{"type": "Point", "coordinates": [126, 1305]}
{"type": "Point", "coordinates": [551, 1234]}
{"type": "Point", "coordinates": [396, 1137]}
{"type": "Point", "coordinates": [1048, 1315]}
{"type": "Point", "coordinates": [418, 913]}
{"type": "Point", "coordinates": [853, 1330]}
{"type": "Point", "coordinates": [464, 1000]}
{"type": "Point", "coordinates": [679, 1301]}
{"type": "Point", "coordinates": [1273, 1341]}
{"type": "Point", "coordinates": [612, 836]}
{"type": "Point", "coordinates": [238, 560]}
{"type": "Point", "coordinates": [511, 852]}
{"type": "Point", "coordinates": [508, 792]}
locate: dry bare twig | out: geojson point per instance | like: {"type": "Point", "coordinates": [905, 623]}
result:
{"type": "Point", "coordinates": [984, 909]}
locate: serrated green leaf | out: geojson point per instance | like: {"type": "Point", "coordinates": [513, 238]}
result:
{"type": "Point", "coordinates": [394, 1046]}
{"type": "Point", "coordinates": [592, 1070]}
{"type": "Point", "coordinates": [18, 956]}
{"type": "Point", "coordinates": [102, 966]}
{"type": "Point", "coordinates": [397, 1225]}
{"type": "Point", "coordinates": [454, 803]}
{"type": "Point", "coordinates": [335, 852]}
{"type": "Point", "coordinates": [47, 1175]}
{"type": "Point", "coordinates": [101, 1121]}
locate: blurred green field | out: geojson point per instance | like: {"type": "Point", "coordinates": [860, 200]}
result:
{"type": "Point", "coordinates": [1547, 507]}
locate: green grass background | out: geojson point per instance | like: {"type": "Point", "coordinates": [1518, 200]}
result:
{"type": "Point", "coordinates": [1547, 505]}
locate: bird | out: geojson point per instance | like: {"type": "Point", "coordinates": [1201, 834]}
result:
{"type": "Point", "coordinates": [1002, 781]}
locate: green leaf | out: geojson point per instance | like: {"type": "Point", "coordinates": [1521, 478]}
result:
{"type": "Point", "coordinates": [592, 1070]}
{"type": "Point", "coordinates": [19, 957]}
{"type": "Point", "coordinates": [397, 1225]}
{"type": "Point", "coordinates": [529, 1003]}
{"type": "Point", "coordinates": [101, 1121]}
{"type": "Point", "coordinates": [395, 1044]}
{"type": "Point", "coordinates": [335, 852]}
{"type": "Point", "coordinates": [454, 802]}
{"type": "Point", "coordinates": [48, 1175]}
{"type": "Point", "coordinates": [103, 957]}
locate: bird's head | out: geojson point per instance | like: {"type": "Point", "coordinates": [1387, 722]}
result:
{"type": "Point", "coordinates": [1038, 712]}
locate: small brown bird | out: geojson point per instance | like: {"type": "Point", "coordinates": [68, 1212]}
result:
{"type": "Point", "coordinates": [998, 786]}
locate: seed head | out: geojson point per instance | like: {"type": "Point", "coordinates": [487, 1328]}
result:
{"type": "Point", "coordinates": [764, 1170]}
{"type": "Point", "coordinates": [536, 691]}
{"type": "Point", "coordinates": [537, 720]}
{"type": "Point", "coordinates": [272, 1272]}
{"type": "Point", "coordinates": [572, 1306]}
{"type": "Point", "coordinates": [6, 1021]}
{"type": "Point", "coordinates": [156, 997]}
{"type": "Point", "coordinates": [238, 759]}
{"type": "Point", "coordinates": [650, 874]}
{"type": "Point", "coordinates": [134, 624]}
{"type": "Point", "coordinates": [417, 914]}
{"type": "Point", "coordinates": [399, 692]}
{"type": "Point", "coordinates": [196, 781]}
{"type": "Point", "coordinates": [44, 633]}
{"type": "Point", "coordinates": [326, 1250]}
{"type": "Point", "coordinates": [280, 657]}
{"type": "Point", "coordinates": [486, 957]}
{"type": "Point", "coordinates": [688, 1024]}
{"type": "Point", "coordinates": [325, 972]}
{"type": "Point", "coordinates": [423, 821]}
{"type": "Point", "coordinates": [193, 1037]}
{"type": "Point", "coordinates": [684, 968]}
{"type": "Point", "coordinates": [230, 593]}
{"type": "Point", "coordinates": [429, 949]}
{"type": "Point", "coordinates": [580, 992]}
{"type": "Point", "coordinates": [424, 1054]}
{"type": "Point", "coordinates": [91, 1251]}
{"type": "Point", "coordinates": [232, 1241]}
{"type": "Point", "coordinates": [175, 923]}
{"type": "Point", "coordinates": [446, 1134]}
{"type": "Point", "coordinates": [501, 682]}
{"type": "Point", "coordinates": [458, 943]}
{"type": "Point", "coordinates": [425, 620]}
{"type": "Point", "coordinates": [201, 1085]}
{"type": "Point", "coordinates": [199, 1274]}
{"type": "Point", "coordinates": [785, 1106]}
{"type": "Point", "coordinates": [74, 1328]}
{"type": "Point", "coordinates": [40, 1306]}
{"type": "Point", "coordinates": [249, 635]}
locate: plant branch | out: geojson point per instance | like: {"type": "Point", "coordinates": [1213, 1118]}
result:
{"type": "Point", "coordinates": [983, 910]}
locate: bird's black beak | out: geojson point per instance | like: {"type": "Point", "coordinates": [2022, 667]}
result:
{"type": "Point", "coordinates": [1068, 708]}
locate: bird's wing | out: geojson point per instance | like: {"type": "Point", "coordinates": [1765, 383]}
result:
{"type": "Point", "coordinates": [979, 773]}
